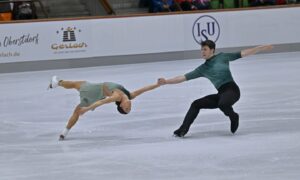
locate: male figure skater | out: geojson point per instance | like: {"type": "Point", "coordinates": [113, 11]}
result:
{"type": "Point", "coordinates": [216, 69]}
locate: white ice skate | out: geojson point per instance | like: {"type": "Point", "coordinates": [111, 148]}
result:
{"type": "Point", "coordinates": [53, 82]}
{"type": "Point", "coordinates": [63, 135]}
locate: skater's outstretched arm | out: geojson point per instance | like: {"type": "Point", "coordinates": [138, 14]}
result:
{"type": "Point", "coordinates": [116, 96]}
{"type": "Point", "coordinates": [257, 49]}
{"type": "Point", "coordinates": [175, 80]}
{"type": "Point", "coordinates": [140, 91]}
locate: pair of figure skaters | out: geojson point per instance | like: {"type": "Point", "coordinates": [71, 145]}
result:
{"type": "Point", "coordinates": [215, 68]}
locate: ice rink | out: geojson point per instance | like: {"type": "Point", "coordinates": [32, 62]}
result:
{"type": "Point", "coordinates": [105, 145]}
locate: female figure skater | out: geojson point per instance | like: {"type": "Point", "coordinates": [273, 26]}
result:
{"type": "Point", "coordinates": [93, 95]}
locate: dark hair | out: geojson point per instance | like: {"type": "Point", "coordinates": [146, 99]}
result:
{"type": "Point", "coordinates": [209, 43]}
{"type": "Point", "coordinates": [127, 93]}
{"type": "Point", "coordinates": [120, 109]}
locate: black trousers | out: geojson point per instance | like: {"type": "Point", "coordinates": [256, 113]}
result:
{"type": "Point", "coordinates": [228, 94]}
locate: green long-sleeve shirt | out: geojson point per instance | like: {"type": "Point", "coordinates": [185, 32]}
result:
{"type": "Point", "coordinates": [216, 69]}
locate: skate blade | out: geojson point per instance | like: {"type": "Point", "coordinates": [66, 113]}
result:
{"type": "Point", "coordinates": [176, 136]}
{"type": "Point", "coordinates": [49, 86]}
{"type": "Point", "coordinates": [61, 138]}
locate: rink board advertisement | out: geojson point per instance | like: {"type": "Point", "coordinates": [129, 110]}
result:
{"type": "Point", "coordinates": [44, 41]}
{"type": "Point", "coordinates": [141, 35]}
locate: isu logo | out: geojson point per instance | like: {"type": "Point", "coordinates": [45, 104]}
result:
{"type": "Point", "coordinates": [206, 27]}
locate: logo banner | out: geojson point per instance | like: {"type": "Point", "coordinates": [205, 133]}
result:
{"type": "Point", "coordinates": [54, 40]}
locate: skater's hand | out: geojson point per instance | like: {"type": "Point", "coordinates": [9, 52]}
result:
{"type": "Point", "coordinates": [162, 81]}
{"type": "Point", "coordinates": [83, 110]}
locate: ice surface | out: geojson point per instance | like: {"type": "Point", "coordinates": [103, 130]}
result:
{"type": "Point", "coordinates": [105, 145]}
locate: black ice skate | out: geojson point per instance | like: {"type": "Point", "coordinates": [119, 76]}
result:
{"type": "Point", "coordinates": [234, 123]}
{"type": "Point", "coordinates": [181, 132]}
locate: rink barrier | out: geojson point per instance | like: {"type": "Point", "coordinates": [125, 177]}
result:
{"type": "Point", "coordinates": [118, 60]}
{"type": "Point", "coordinates": [78, 43]}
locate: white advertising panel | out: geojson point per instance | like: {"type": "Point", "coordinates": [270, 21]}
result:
{"type": "Point", "coordinates": [245, 28]}
{"type": "Point", "coordinates": [150, 34]}
{"type": "Point", "coordinates": [45, 40]}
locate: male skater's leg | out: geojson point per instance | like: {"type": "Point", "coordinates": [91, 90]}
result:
{"type": "Point", "coordinates": [226, 101]}
{"type": "Point", "coordinates": [207, 102]}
